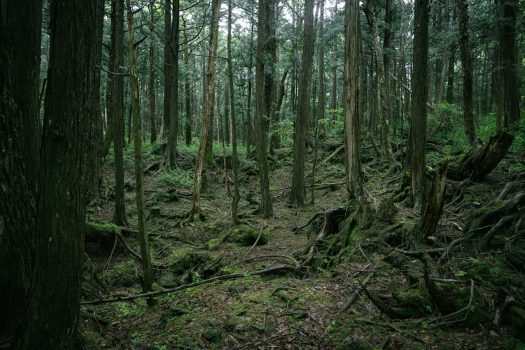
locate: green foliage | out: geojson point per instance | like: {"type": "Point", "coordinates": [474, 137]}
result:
{"type": "Point", "coordinates": [176, 178]}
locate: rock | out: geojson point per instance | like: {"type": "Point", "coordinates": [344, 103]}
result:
{"type": "Point", "coordinates": [212, 335]}
{"type": "Point", "coordinates": [168, 281]}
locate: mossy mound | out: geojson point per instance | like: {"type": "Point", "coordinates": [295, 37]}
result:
{"type": "Point", "coordinates": [242, 235]}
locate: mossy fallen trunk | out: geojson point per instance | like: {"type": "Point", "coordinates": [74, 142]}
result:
{"type": "Point", "coordinates": [481, 160]}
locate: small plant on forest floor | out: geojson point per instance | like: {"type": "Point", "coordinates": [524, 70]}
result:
{"type": "Point", "coordinates": [176, 178]}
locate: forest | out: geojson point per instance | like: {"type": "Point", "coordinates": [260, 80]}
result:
{"type": "Point", "coordinates": [262, 174]}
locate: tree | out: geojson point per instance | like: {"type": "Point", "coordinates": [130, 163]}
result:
{"type": "Point", "coordinates": [167, 67]}
{"type": "Point", "coordinates": [187, 89]}
{"type": "Point", "coordinates": [151, 82]}
{"type": "Point", "coordinates": [174, 114]}
{"type": "Point", "coordinates": [298, 190]}
{"type": "Point", "coordinates": [386, 149]}
{"type": "Point", "coordinates": [354, 176]}
{"type": "Point", "coordinates": [208, 106]}
{"type": "Point", "coordinates": [264, 89]}
{"type": "Point", "coordinates": [44, 171]}
{"type": "Point", "coordinates": [116, 111]}
{"type": "Point", "coordinates": [137, 145]}
{"type": "Point", "coordinates": [418, 125]}
{"type": "Point", "coordinates": [235, 163]}
{"type": "Point", "coordinates": [508, 89]}
{"type": "Point", "coordinates": [466, 62]}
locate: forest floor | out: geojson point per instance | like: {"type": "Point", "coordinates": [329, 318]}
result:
{"type": "Point", "coordinates": [296, 309]}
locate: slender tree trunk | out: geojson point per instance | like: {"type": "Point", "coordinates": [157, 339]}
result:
{"type": "Point", "coordinates": [167, 67]}
{"type": "Point", "coordinates": [354, 177]}
{"type": "Point", "coordinates": [235, 163]}
{"type": "Point", "coordinates": [249, 122]}
{"type": "Point", "coordinates": [117, 113]}
{"type": "Point", "coordinates": [321, 108]}
{"type": "Point", "coordinates": [137, 145]}
{"type": "Point", "coordinates": [187, 89]}
{"type": "Point", "coordinates": [386, 148]}
{"type": "Point", "coordinates": [450, 74]}
{"type": "Point", "coordinates": [151, 84]}
{"type": "Point", "coordinates": [298, 190]}
{"type": "Point", "coordinates": [174, 113]}
{"type": "Point", "coordinates": [264, 87]}
{"type": "Point", "coordinates": [418, 126]}
{"type": "Point", "coordinates": [333, 104]}
{"type": "Point", "coordinates": [466, 62]}
{"type": "Point", "coordinates": [208, 106]}
{"type": "Point", "coordinates": [508, 62]}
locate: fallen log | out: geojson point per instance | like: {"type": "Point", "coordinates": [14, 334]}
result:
{"type": "Point", "coordinates": [481, 160]}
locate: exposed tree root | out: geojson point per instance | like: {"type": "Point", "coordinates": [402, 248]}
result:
{"type": "Point", "coordinates": [269, 270]}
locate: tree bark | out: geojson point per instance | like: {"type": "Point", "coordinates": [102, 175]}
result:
{"type": "Point", "coordinates": [174, 112]}
{"type": "Point", "coordinates": [137, 145]}
{"type": "Point", "coordinates": [151, 82]}
{"type": "Point", "coordinates": [208, 106]}
{"type": "Point", "coordinates": [167, 67]}
{"type": "Point", "coordinates": [235, 164]}
{"type": "Point", "coordinates": [48, 186]}
{"type": "Point", "coordinates": [117, 111]}
{"type": "Point", "coordinates": [264, 87]}
{"type": "Point", "coordinates": [466, 62]}
{"type": "Point", "coordinates": [187, 90]}
{"type": "Point", "coordinates": [298, 190]}
{"type": "Point", "coordinates": [418, 125]}
{"type": "Point", "coordinates": [354, 176]}
{"type": "Point", "coordinates": [20, 132]}
{"type": "Point", "coordinates": [508, 62]}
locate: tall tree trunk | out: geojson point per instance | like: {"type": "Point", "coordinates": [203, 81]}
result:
{"type": "Point", "coordinates": [466, 63]}
{"type": "Point", "coordinates": [47, 189]}
{"type": "Point", "coordinates": [298, 190]}
{"type": "Point", "coordinates": [333, 103]}
{"type": "Point", "coordinates": [174, 113]}
{"type": "Point", "coordinates": [264, 88]}
{"type": "Point", "coordinates": [235, 164]}
{"type": "Point", "coordinates": [321, 108]}
{"type": "Point", "coordinates": [20, 132]}
{"type": "Point", "coordinates": [167, 67]}
{"type": "Point", "coordinates": [354, 176]}
{"type": "Point", "coordinates": [386, 148]}
{"type": "Point", "coordinates": [208, 106]}
{"type": "Point", "coordinates": [151, 83]}
{"type": "Point", "coordinates": [508, 62]}
{"type": "Point", "coordinates": [117, 112]}
{"type": "Point", "coordinates": [187, 90]}
{"type": "Point", "coordinates": [97, 131]}
{"type": "Point", "coordinates": [249, 122]}
{"type": "Point", "coordinates": [450, 74]}
{"type": "Point", "coordinates": [418, 126]}
{"type": "Point", "coordinates": [137, 145]}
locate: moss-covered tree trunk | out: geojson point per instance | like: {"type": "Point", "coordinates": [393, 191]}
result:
{"type": "Point", "coordinates": [167, 68]}
{"type": "Point", "coordinates": [151, 78]}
